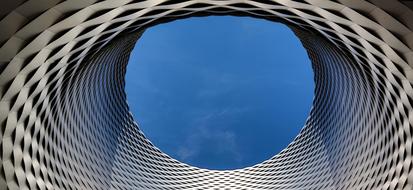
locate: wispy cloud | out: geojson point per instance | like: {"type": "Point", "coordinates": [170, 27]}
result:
{"type": "Point", "coordinates": [206, 136]}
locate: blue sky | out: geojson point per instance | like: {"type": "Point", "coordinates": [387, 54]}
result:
{"type": "Point", "coordinates": [220, 92]}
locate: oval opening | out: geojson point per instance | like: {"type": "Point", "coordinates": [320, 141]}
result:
{"type": "Point", "coordinates": [220, 92]}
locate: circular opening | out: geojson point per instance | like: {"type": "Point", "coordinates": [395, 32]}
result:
{"type": "Point", "coordinates": [220, 92]}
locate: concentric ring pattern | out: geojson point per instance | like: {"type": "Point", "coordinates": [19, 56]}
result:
{"type": "Point", "coordinates": [65, 122]}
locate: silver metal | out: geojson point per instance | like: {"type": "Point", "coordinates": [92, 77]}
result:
{"type": "Point", "coordinates": [65, 122]}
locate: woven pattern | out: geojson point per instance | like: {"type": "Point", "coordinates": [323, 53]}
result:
{"type": "Point", "coordinates": [65, 122]}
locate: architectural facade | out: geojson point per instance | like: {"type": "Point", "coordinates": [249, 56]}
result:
{"type": "Point", "coordinates": [65, 121]}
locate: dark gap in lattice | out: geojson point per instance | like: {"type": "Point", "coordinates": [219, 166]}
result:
{"type": "Point", "coordinates": [52, 65]}
{"type": "Point", "coordinates": [59, 34]}
{"type": "Point", "coordinates": [153, 12]}
{"type": "Point", "coordinates": [127, 13]}
{"type": "Point", "coordinates": [312, 13]}
{"type": "Point", "coordinates": [268, 2]}
{"type": "Point", "coordinates": [29, 76]}
{"type": "Point", "coordinates": [55, 50]}
{"type": "Point", "coordinates": [198, 5]}
{"type": "Point", "coordinates": [97, 14]}
{"type": "Point", "coordinates": [33, 87]}
{"type": "Point", "coordinates": [88, 29]}
{"type": "Point", "coordinates": [80, 43]}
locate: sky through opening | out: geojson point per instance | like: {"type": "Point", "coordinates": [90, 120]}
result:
{"type": "Point", "coordinates": [220, 92]}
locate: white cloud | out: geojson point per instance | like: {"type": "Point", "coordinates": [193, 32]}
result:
{"type": "Point", "coordinates": [224, 141]}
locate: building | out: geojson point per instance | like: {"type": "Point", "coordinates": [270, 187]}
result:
{"type": "Point", "coordinates": [65, 122]}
